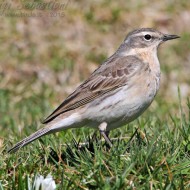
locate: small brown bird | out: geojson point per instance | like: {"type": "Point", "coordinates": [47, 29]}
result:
{"type": "Point", "coordinates": [116, 93]}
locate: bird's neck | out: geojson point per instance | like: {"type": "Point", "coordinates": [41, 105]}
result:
{"type": "Point", "coordinates": [147, 55]}
{"type": "Point", "coordinates": [151, 57]}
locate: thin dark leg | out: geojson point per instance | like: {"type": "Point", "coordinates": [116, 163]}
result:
{"type": "Point", "coordinates": [105, 135]}
{"type": "Point", "coordinates": [102, 127]}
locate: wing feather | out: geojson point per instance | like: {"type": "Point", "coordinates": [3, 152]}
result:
{"type": "Point", "coordinates": [111, 75]}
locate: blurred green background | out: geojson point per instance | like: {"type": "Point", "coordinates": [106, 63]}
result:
{"type": "Point", "coordinates": [43, 58]}
{"type": "Point", "coordinates": [47, 50]}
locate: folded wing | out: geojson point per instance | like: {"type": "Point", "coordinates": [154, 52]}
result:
{"type": "Point", "coordinates": [112, 74]}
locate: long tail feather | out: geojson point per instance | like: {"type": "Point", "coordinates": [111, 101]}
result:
{"type": "Point", "coordinates": [29, 139]}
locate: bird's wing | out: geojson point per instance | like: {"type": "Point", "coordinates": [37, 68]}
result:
{"type": "Point", "coordinates": [114, 73]}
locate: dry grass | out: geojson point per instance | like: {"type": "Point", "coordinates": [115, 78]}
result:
{"type": "Point", "coordinates": [43, 59]}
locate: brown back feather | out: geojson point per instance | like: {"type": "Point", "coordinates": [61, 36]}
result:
{"type": "Point", "coordinates": [109, 76]}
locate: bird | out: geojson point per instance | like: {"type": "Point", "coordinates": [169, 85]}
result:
{"type": "Point", "coordinates": [116, 93]}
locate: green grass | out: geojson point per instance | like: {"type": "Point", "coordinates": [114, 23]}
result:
{"type": "Point", "coordinates": [157, 156]}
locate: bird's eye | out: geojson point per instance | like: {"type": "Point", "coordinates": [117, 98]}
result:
{"type": "Point", "coordinates": [147, 37]}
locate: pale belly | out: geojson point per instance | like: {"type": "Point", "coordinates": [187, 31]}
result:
{"type": "Point", "coordinates": [122, 106]}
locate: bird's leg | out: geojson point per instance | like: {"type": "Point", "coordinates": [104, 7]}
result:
{"type": "Point", "coordinates": [104, 133]}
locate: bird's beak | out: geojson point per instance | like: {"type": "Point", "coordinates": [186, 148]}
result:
{"type": "Point", "coordinates": [169, 37]}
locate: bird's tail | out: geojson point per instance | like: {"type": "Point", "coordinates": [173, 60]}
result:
{"type": "Point", "coordinates": [29, 139]}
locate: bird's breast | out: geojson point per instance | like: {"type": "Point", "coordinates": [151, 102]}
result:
{"type": "Point", "coordinates": [124, 105]}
